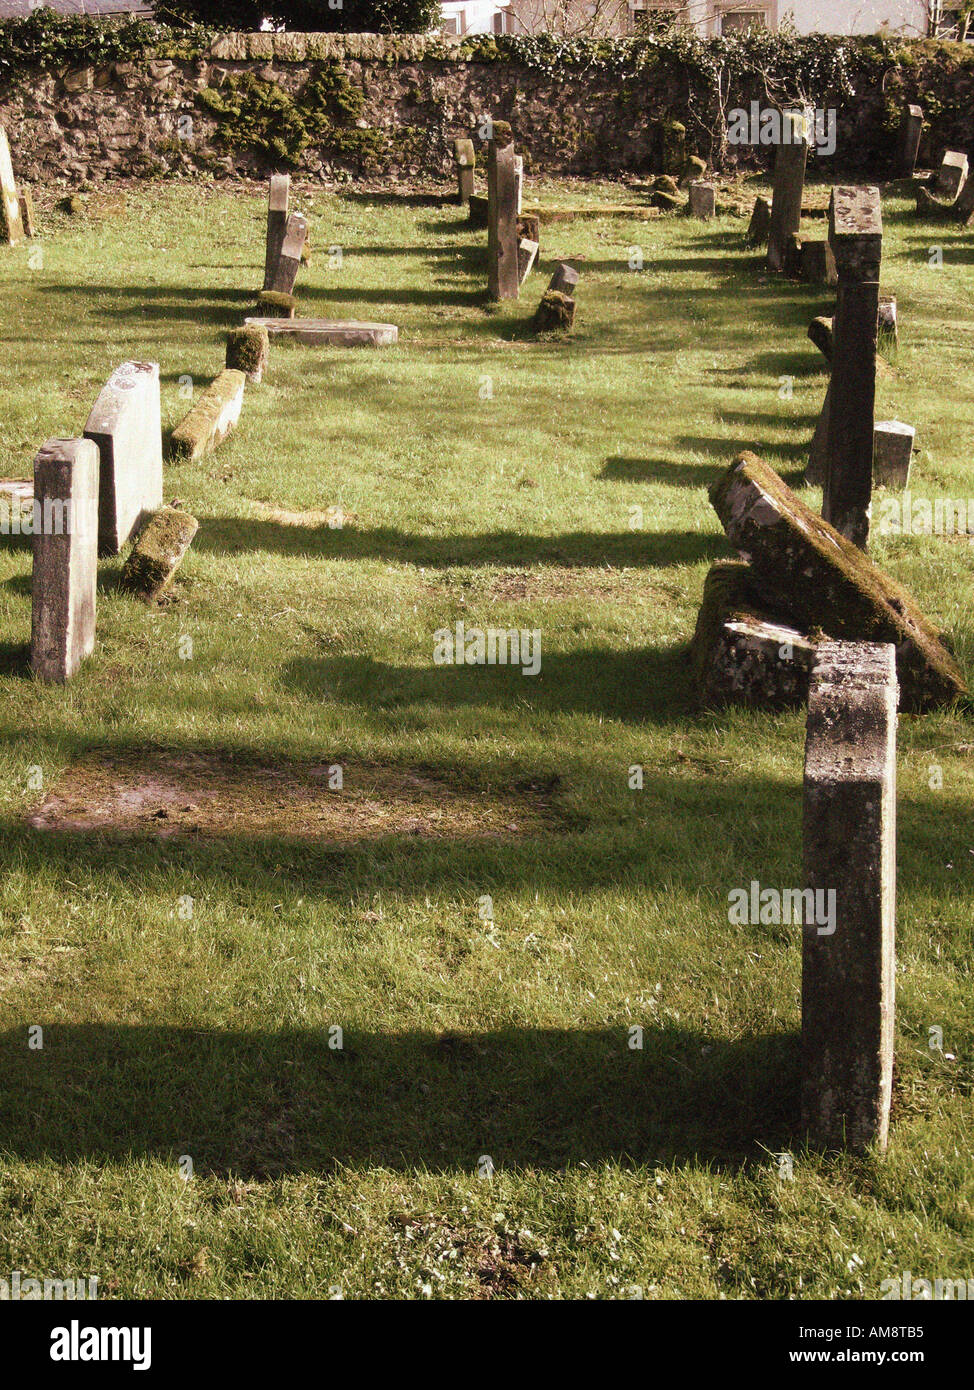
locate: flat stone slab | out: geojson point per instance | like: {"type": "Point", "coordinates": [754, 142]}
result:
{"type": "Point", "coordinates": [638, 211]}
{"type": "Point", "coordinates": [804, 568]}
{"type": "Point", "coordinates": [321, 332]}
{"type": "Point", "coordinates": [212, 418]}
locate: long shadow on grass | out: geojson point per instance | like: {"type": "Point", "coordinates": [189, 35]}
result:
{"type": "Point", "coordinates": [261, 1104]}
{"type": "Point", "coordinates": [216, 306]}
{"type": "Point", "coordinates": [639, 549]}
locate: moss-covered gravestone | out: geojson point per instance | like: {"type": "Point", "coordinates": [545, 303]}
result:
{"type": "Point", "coordinates": [248, 351]}
{"type": "Point", "coordinates": [803, 568]}
{"type": "Point", "coordinates": [555, 313]}
{"type": "Point", "coordinates": [212, 418]}
{"type": "Point", "coordinates": [158, 552]}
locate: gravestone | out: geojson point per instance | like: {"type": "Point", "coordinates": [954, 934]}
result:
{"type": "Point", "coordinates": [564, 279]}
{"type": "Point", "coordinates": [289, 260]}
{"type": "Point", "coordinates": [887, 329]}
{"type": "Point", "coordinates": [527, 252]}
{"type": "Point", "coordinates": [892, 454]}
{"type": "Point", "coordinates": [11, 223]}
{"type": "Point", "coordinates": [816, 263]}
{"type": "Point", "coordinates": [759, 227]}
{"type": "Point", "coordinates": [465, 161]}
{"type": "Point", "coordinates": [212, 418]}
{"type": "Point", "coordinates": [26, 199]}
{"type": "Point", "coordinates": [478, 210]}
{"type": "Point", "coordinates": [529, 225]}
{"type": "Point", "coordinates": [320, 332]}
{"type": "Point", "coordinates": [519, 180]}
{"type": "Point", "coordinates": [125, 422]}
{"type": "Point", "coordinates": [911, 128]}
{"type": "Point", "coordinates": [158, 552]}
{"type": "Point", "coordinates": [820, 333]}
{"type": "Point", "coordinates": [952, 174]}
{"type": "Point", "coordinates": [849, 833]}
{"type": "Point", "coordinates": [702, 200]}
{"type": "Point", "coordinates": [277, 201]}
{"type": "Point", "coordinates": [856, 237]}
{"type": "Point", "coordinates": [789, 183]}
{"type": "Point", "coordinates": [502, 275]}
{"type": "Point", "coordinates": [65, 546]}
{"type": "Point", "coordinates": [248, 351]}
{"type": "Point", "coordinates": [804, 571]}
{"type": "Point", "coordinates": [555, 312]}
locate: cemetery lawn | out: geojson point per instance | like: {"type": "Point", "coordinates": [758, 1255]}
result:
{"type": "Point", "coordinates": [487, 478]}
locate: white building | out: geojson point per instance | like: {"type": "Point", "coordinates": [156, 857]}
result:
{"type": "Point", "coordinates": [907, 18]}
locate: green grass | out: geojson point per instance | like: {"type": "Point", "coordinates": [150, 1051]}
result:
{"type": "Point", "coordinates": [486, 477]}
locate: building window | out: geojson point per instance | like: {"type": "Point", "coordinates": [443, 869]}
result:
{"type": "Point", "coordinates": [740, 21]}
{"type": "Point", "coordinates": [655, 19]}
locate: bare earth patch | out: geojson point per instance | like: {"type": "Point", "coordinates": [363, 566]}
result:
{"type": "Point", "coordinates": [163, 793]}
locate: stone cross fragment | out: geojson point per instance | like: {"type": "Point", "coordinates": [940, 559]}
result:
{"type": "Point", "coordinates": [502, 260]}
{"type": "Point", "coordinates": [277, 201]}
{"type": "Point", "coordinates": [126, 424]}
{"type": "Point", "coordinates": [65, 543]}
{"type": "Point", "coordinates": [789, 184]}
{"type": "Point", "coordinates": [849, 842]}
{"type": "Point", "coordinates": [856, 237]}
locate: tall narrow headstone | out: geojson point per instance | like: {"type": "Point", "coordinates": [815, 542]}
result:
{"type": "Point", "coordinates": [65, 557]}
{"type": "Point", "coordinates": [519, 177]}
{"type": "Point", "coordinates": [465, 160]}
{"type": "Point", "coordinates": [911, 128]}
{"type": "Point", "coordinates": [11, 223]}
{"type": "Point", "coordinates": [789, 184]}
{"type": "Point", "coordinates": [289, 260]}
{"type": "Point", "coordinates": [856, 237]}
{"type": "Point", "coordinates": [502, 266]}
{"type": "Point", "coordinates": [849, 832]}
{"type": "Point", "coordinates": [125, 422]}
{"type": "Point", "coordinates": [277, 201]}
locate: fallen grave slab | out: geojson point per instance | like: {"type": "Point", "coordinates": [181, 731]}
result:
{"type": "Point", "coordinates": [212, 418]}
{"type": "Point", "coordinates": [803, 567]}
{"type": "Point", "coordinates": [322, 332]}
{"type": "Point", "coordinates": [638, 211]}
{"type": "Point", "coordinates": [158, 552]}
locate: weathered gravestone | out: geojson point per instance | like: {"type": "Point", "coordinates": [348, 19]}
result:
{"type": "Point", "coordinates": [702, 200]}
{"type": "Point", "coordinates": [911, 128]}
{"type": "Point", "coordinates": [465, 161]}
{"type": "Point", "coordinates": [248, 351]}
{"type": "Point", "coordinates": [564, 279]}
{"type": "Point", "coordinates": [519, 181]}
{"type": "Point", "coordinates": [555, 312]}
{"type": "Point", "coordinates": [26, 199]}
{"type": "Point", "coordinates": [952, 174]}
{"type": "Point", "coordinates": [289, 260]}
{"type": "Point", "coordinates": [277, 201]}
{"type": "Point", "coordinates": [158, 552]}
{"type": "Point", "coordinates": [502, 270]}
{"type": "Point", "coordinates": [65, 557]}
{"type": "Point", "coordinates": [11, 222]}
{"type": "Point", "coordinates": [856, 237]}
{"type": "Point", "coordinates": [806, 572]}
{"type": "Point", "coordinates": [527, 253]}
{"type": "Point", "coordinates": [892, 453]}
{"type": "Point", "coordinates": [789, 183]}
{"type": "Point", "coordinates": [849, 831]}
{"type": "Point", "coordinates": [212, 418]}
{"type": "Point", "coordinates": [125, 422]}
{"type": "Point", "coordinates": [478, 213]}
{"type": "Point", "coordinates": [759, 227]}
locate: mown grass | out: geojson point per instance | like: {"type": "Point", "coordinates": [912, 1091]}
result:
{"type": "Point", "coordinates": [487, 477]}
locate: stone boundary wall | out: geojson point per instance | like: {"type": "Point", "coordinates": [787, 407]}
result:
{"type": "Point", "coordinates": [413, 95]}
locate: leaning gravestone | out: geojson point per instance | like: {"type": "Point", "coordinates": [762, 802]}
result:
{"type": "Point", "coordinates": [527, 254]}
{"type": "Point", "coordinates": [804, 570]}
{"type": "Point", "coordinates": [911, 128]}
{"type": "Point", "coordinates": [856, 237]}
{"type": "Point", "coordinates": [952, 174]}
{"type": "Point", "coordinates": [465, 161]}
{"type": "Point", "coordinates": [289, 260]}
{"type": "Point", "coordinates": [564, 279]}
{"type": "Point", "coordinates": [277, 201]}
{"type": "Point", "coordinates": [125, 422]}
{"type": "Point", "coordinates": [11, 222]}
{"type": "Point", "coordinates": [759, 227]}
{"type": "Point", "coordinates": [212, 418]}
{"type": "Point", "coordinates": [502, 267]}
{"type": "Point", "coordinates": [892, 453]}
{"type": "Point", "coordinates": [789, 184]}
{"type": "Point", "coordinates": [519, 179]}
{"type": "Point", "coordinates": [849, 831]}
{"type": "Point", "coordinates": [65, 557]}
